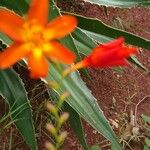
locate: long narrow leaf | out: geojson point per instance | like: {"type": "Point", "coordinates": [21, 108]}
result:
{"type": "Point", "coordinates": [120, 3]}
{"type": "Point", "coordinates": [96, 26]}
{"type": "Point", "coordinates": [19, 7]}
{"type": "Point", "coordinates": [13, 91]}
{"type": "Point", "coordinates": [76, 125]}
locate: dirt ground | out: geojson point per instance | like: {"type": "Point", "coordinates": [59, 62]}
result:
{"type": "Point", "coordinates": [119, 93]}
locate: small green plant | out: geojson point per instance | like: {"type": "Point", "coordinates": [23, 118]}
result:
{"type": "Point", "coordinates": [146, 120]}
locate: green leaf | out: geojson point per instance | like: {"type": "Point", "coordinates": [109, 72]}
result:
{"type": "Point", "coordinates": [113, 147]}
{"type": "Point", "coordinates": [120, 3]}
{"type": "Point", "coordinates": [84, 103]}
{"type": "Point", "coordinates": [76, 125]}
{"type": "Point", "coordinates": [5, 39]}
{"type": "Point", "coordinates": [19, 7]}
{"type": "Point", "coordinates": [28, 1]}
{"type": "Point", "coordinates": [13, 91]}
{"type": "Point", "coordinates": [146, 147]}
{"type": "Point", "coordinates": [84, 41]}
{"type": "Point", "coordinates": [147, 141]}
{"type": "Point", "coordinates": [95, 147]}
{"type": "Point", "coordinates": [68, 41]}
{"type": "Point", "coordinates": [118, 69]}
{"type": "Point", "coordinates": [145, 118]}
{"type": "Point", "coordinates": [97, 37]}
{"type": "Point", "coordinates": [98, 28]}
{"type": "Point", "coordinates": [134, 60]}
{"type": "Point", "coordinates": [81, 100]}
{"type": "Point", "coordinates": [83, 38]}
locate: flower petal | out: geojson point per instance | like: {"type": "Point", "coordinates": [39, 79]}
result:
{"type": "Point", "coordinates": [38, 11]}
{"type": "Point", "coordinates": [12, 54]}
{"type": "Point", "coordinates": [121, 62]}
{"type": "Point", "coordinates": [10, 24]}
{"type": "Point", "coordinates": [110, 46]}
{"type": "Point", "coordinates": [127, 51]}
{"type": "Point", "coordinates": [38, 65]}
{"type": "Point", "coordinates": [58, 52]}
{"type": "Point", "coordinates": [109, 55]}
{"type": "Point", "coordinates": [60, 27]}
{"type": "Point", "coordinates": [114, 43]}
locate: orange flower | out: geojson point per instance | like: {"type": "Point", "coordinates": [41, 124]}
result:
{"type": "Point", "coordinates": [111, 54]}
{"type": "Point", "coordinates": [35, 38]}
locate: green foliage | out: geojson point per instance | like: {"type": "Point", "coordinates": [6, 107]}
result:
{"type": "Point", "coordinates": [135, 61]}
{"type": "Point", "coordinates": [80, 93]}
{"type": "Point", "coordinates": [146, 147]}
{"type": "Point", "coordinates": [85, 41]}
{"type": "Point", "coordinates": [82, 103]}
{"type": "Point", "coordinates": [100, 29]}
{"type": "Point", "coordinates": [76, 124]}
{"type": "Point", "coordinates": [19, 7]}
{"type": "Point", "coordinates": [120, 3]}
{"type": "Point", "coordinates": [95, 147]}
{"type": "Point", "coordinates": [13, 91]}
{"type": "Point", "coordinates": [5, 39]}
{"type": "Point", "coordinates": [147, 141]}
{"type": "Point", "coordinates": [145, 118]}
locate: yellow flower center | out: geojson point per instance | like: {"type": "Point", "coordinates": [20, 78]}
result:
{"type": "Point", "coordinates": [33, 34]}
{"type": "Point", "coordinates": [37, 53]}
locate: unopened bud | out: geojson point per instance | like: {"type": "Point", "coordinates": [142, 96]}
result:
{"type": "Point", "coordinates": [53, 84]}
{"type": "Point", "coordinates": [49, 146]}
{"type": "Point", "coordinates": [63, 118]}
{"type": "Point", "coordinates": [64, 96]}
{"type": "Point", "coordinates": [62, 137]}
{"type": "Point", "coordinates": [51, 128]}
{"type": "Point", "coordinates": [51, 108]}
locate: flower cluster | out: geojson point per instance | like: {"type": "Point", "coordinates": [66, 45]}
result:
{"type": "Point", "coordinates": [36, 39]}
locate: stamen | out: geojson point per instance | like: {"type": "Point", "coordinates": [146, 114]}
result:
{"type": "Point", "coordinates": [46, 47]}
{"type": "Point", "coordinates": [37, 52]}
{"type": "Point", "coordinates": [32, 31]}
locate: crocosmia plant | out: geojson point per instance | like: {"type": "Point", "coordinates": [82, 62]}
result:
{"type": "Point", "coordinates": [38, 33]}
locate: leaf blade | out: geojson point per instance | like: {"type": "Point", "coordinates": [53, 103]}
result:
{"type": "Point", "coordinates": [120, 3]}
{"type": "Point", "coordinates": [14, 93]}
{"type": "Point", "coordinates": [76, 124]}
{"type": "Point", "coordinates": [98, 27]}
